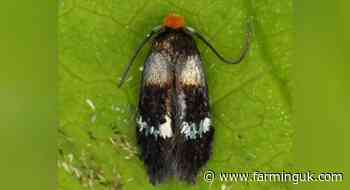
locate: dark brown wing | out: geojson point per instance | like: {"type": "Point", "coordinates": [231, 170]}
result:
{"type": "Point", "coordinates": [193, 121]}
{"type": "Point", "coordinates": [154, 131]}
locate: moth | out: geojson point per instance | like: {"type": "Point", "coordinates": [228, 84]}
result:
{"type": "Point", "coordinates": [174, 125]}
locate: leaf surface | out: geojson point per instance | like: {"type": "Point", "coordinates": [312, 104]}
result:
{"type": "Point", "coordinates": [251, 102]}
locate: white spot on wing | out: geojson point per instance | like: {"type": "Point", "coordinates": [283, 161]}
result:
{"type": "Point", "coordinates": [142, 124]}
{"type": "Point", "coordinates": [165, 128]}
{"type": "Point", "coordinates": [205, 124]}
{"type": "Point", "coordinates": [185, 128]}
{"type": "Point", "coordinates": [190, 130]}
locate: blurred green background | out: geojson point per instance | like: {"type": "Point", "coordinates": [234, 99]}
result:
{"type": "Point", "coordinates": [251, 102]}
{"type": "Point", "coordinates": [284, 107]}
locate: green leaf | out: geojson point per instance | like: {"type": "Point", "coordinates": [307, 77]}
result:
{"type": "Point", "coordinates": [251, 102]}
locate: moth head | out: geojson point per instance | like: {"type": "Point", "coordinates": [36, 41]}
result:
{"type": "Point", "coordinates": [174, 21]}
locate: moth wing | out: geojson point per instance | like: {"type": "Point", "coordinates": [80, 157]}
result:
{"type": "Point", "coordinates": [154, 130]}
{"type": "Point", "coordinates": [193, 121]}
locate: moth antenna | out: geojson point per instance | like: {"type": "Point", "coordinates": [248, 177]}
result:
{"type": "Point", "coordinates": [243, 52]}
{"type": "Point", "coordinates": [137, 51]}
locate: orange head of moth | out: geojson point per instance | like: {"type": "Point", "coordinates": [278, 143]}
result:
{"type": "Point", "coordinates": [174, 21]}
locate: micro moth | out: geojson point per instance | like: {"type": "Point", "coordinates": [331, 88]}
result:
{"type": "Point", "coordinates": [174, 124]}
